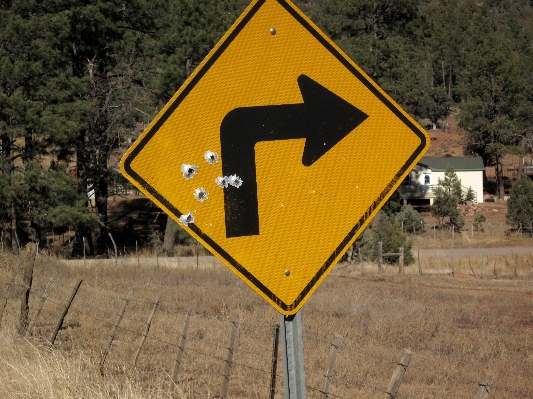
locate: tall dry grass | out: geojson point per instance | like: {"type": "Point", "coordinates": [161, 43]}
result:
{"type": "Point", "coordinates": [31, 370]}
{"type": "Point", "coordinates": [457, 325]}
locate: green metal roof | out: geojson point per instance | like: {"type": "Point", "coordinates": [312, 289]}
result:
{"type": "Point", "coordinates": [439, 164]}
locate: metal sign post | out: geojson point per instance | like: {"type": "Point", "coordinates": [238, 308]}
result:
{"type": "Point", "coordinates": [293, 356]}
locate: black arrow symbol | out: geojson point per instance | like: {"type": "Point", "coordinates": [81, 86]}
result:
{"type": "Point", "coordinates": [323, 119]}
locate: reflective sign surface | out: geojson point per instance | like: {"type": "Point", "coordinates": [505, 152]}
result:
{"type": "Point", "coordinates": [276, 153]}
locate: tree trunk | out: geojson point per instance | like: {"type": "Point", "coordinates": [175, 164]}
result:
{"type": "Point", "coordinates": [170, 237]}
{"type": "Point", "coordinates": [27, 155]}
{"type": "Point", "coordinates": [101, 193]}
{"type": "Point", "coordinates": [375, 28]}
{"type": "Point", "coordinates": [7, 168]}
{"type": "Point", "coordinates": [443, 75]}
{"type": "Point", "coordinates": [499, 177]}
{"type": "Point", "coordinates": [14, 239]}
{"type": "Point", "coordinates": [450, 84]}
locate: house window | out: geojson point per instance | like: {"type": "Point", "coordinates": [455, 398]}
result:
{"type": "Point", "coordinates": [407, 180]}
{"type": "Point", "coordinates": [426, 179]}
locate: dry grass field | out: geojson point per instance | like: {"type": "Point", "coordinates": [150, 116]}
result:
{"type": "Point", "coordinates": [459, 321]}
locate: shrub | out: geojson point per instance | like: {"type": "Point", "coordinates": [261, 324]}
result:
{"type": "Point", "coordinates": [448, 195]}
{"type": "Point", "coordinates": [389, 232]}
{"type": "Point", "coordinates": [412, 221]}
{"type": "Point", "coordinates": [520, 204]}
{"type": "Point", "coordinates": [470, 195]}
{"type": "Point", "coordinates": [479, 219]}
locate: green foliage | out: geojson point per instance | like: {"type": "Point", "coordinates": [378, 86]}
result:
{"type": "Point", "coordinates": [389, 232]}
{"type": "Point", "coordinates": [520, 204]}
{"type": "Point", "coordinates": [495, 93]}
{"type": "Point", "coordinates": [479, 219]}
{"type": "Point", "coordinates": [74, 75]}
{"type": "Point", "coordinates": [48, 199]}
{"type": "Point", "coordinates": [411, 219]}
{"type": "Point", "coordinates": [365, 244]}
{"type": "Point", "coordinates": [451, 184]}
{"type": "Point", "coordinates": [457, 220]}
{"type": "Point", "coordinates": [448, 195]}
{"type": "Point", "coordinates": [393, 204]}
{"type": "Point", "coordinates": [470, 196]}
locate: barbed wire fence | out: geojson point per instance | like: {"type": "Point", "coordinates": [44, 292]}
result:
{"type": "Point", "coordinates": [217, 344]}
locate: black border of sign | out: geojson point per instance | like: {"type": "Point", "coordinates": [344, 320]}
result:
{"type": "Point", "coordinates": [209, 62]}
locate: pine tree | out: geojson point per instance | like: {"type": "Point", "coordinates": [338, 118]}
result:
{"type": "Point", "coordinates": [389, 232]}
{"type": "Point", "coordinates": [520, 204]}
{"type": "Point", "coordinates": [488, 111]}
{"type": "Point", "coordinates": [447, 196]}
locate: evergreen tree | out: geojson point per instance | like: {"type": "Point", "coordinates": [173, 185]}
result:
{"type": "Point", "coordinates": [389, 233]}
{"type": "Point", "coordinates": [410, 219]}
{"type": "Point", "coordinates": [488, 111]}
{"type": "Point", "coordinates": [49, 201]}
{"type": "Point", "coordinates": [393, 204]}
{"type": "Point", "coordinates": [101, 48]}
{"type": "Point", "coordinates": [479, 219]}
{"type": "Point", "coordinates": [386, 39]}
{"type": "Point", "coordinates": [520, 204]}
{"type": "Point", "coordinates": [448, 195]}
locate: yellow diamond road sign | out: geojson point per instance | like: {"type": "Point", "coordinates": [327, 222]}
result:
{"type": "Point", "coordinates": [276, 153]}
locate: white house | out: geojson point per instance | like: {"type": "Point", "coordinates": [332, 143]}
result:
{"type": "Point", "coordinates": [421, 183]}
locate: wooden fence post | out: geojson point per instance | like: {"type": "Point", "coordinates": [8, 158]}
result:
{"type": "Point", "coordinates": [41, 305]}
{"type": "Point", "coordinates": [229, 358]}
{"type": "Point", "coordinates": [27, 279]}
{"type": "Point", "coordinates": [113, 332]}
{"type": "Point", "coordinates": [274, 368]}
{"type": "Point", "coordinates": [197, 251]}
{"type": "Point", "coordinates": [484, 387]}
{"type": "Point", "coordinates": [471, 268]}
{"type": "Point", "coordinates": [9, 289]}
{"type": "Point", "coordinates": [332, 359]}
{"type": "Point", "coordinates": [419, 265]}
{"type": "Point", "coordinates": [380, 257]}
{"type": "Point", "coordinates": [181, 349]}
{"type": "Point", "coordinates": [401, 261]}
{"type": "Point", "coordinates": [146, 331]}
{"type": "Point", "coordinates": [137, 254]}
{"type": "Point", "coordinates": [114, 246]}
{"type": "Point", "coordinates": [397, 376]}
{"type": "Point", "coordinates": [65, 311]}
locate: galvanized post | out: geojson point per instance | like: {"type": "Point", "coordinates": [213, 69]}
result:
{"type": "Point", "coordinates": [293, 356]}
